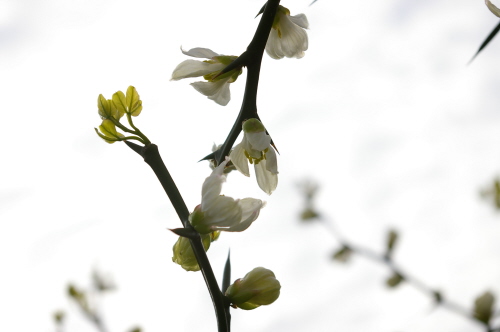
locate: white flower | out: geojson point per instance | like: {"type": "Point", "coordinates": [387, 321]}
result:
{"type": "Point", "coordinates": [494, 9]}
{"type": "Point", "coordinates": [256, 148]}
{"type": "Point", "coordinates": [222, 213]}
{"type": "Point", "coordinates": [217, 87]}
{"type": "Point", "coordinates": [287, 37]}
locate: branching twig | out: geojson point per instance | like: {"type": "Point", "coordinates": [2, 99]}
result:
{"type": "Point", "coordinates": [386, 260]}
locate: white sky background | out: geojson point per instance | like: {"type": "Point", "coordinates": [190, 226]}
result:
{"type": "Point", "coordinates": [382, 110]}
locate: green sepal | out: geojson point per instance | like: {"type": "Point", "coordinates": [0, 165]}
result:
{"type": "Point", "coordinates": [253, 126]}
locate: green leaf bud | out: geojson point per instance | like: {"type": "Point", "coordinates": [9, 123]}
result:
{"type": "Point", "coordinates": [343, 254]}
{"type": "Point", "coordinates": [258, 287]}
{"type": "Point", "coordinates": [394, 280]}
{"type": "Point", "coordinates": [483, 307]}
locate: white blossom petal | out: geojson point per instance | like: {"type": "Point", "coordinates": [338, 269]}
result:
{"type": "Point", "coordinates": [267, 181]}
{"type": "Point", "coordinates": [300, 20]}
{"type": "Point", "coordinates": [239, 159]}
{"type": "Point", "coordinates": [250, 208]}
{"type": "Point", "coordinates": [273, 46]}
{"type": "Point", "coordinates": [293, 39]}
{"type": "Point", "coordinates": [212, 186]}
{"type": "Point", "coordinates": [194, 68]}
{"type": "Point", "coordinates": [271, 161]}
{"type": "Point", "coordinates": [200, 52]}
{"type": "Point", "coordinates": [494, 9]}
{"type": "Point", "coordinates": [259, 141]}
{"type": "Point", "coordinates": [224, 212]}
{"type": "Point", "coordinates": [217, 91]}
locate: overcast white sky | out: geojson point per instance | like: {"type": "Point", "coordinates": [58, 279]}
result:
{"type": "Point", "coordinates": [383, 111]}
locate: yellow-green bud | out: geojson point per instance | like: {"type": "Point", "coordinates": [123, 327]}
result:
{"type": "Point", "coordinates": [258, 287]}
{"type": "Point", "coordinates": [253, 126]}
{"type": "Point", "coordinates": [184, 254]}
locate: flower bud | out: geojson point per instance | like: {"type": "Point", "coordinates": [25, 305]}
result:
{"type": "Point", "coordinates": [184, 254]}
{"type": "Point", "coordinates": [258, 287]}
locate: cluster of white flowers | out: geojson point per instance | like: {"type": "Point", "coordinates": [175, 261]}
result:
{"type": "Point", "coordinates": [217, 212]}
{"type": "Point", "coordinates": [286, 39]}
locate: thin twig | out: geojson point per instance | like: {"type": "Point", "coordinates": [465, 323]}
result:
{"type": "Point", "coordinates": [437, 296]}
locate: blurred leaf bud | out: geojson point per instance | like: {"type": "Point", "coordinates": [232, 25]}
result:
{"type": "Point", "coordinates": [258, 287]}
{"type": "Point", "coordinates": [102, 283]}
{"type": "Point", "coordinates": [438, 297]}
{"type": "Point", "coordinates": [184, 254]}
{"type": "Point", "coordinates": [394, 280]}
{"type": "Point", "coordinates": [343, 254]}
{"type": "Point", "coordinates": [308, 189]}
{"type": "Point", "coordinates": [79, 297]}
{"type": "Point", "coordinates": [483, 307]}
{"type": "Point", "coordinates": [136, 329]}
{"type": "Point", "coordinates": [493, 193]}
{"type": "Point", "coordinates": [392, 238]}
{"type": "Point", "coordinates": [59, 316]}
{"type": "Point", "coordinates": [308, 214]}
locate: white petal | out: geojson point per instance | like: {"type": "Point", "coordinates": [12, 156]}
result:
{"type": "Point", "coordinates": [267, 181]}
{"type": "Point", "coordinates": [273, 46]}
{"type": "Point", "coordinates": [239, 159]}
{"type": "Point", "coordinates": [494, 9]}
{"type": "Point", "coordinates": [300, 20]}
{"type": "Point", "coordinates": [271, 161]}
{"type": "Point", "coordinates": [251, 209]}
{"type": "Point", "coordinates": [294, 39]}
{"type": "Point", "coordinates": [199, 52]}
{"type": "Point", "coordinates": [217, 91]}
{"type": "Point", "coordinates": [258, 141]}
{"type": "Point", "coordinates": [194, 68]}
{"type": "Point", "coordinates": [212, 186]}
{"type": "Point", "coordinates": [225, 212]}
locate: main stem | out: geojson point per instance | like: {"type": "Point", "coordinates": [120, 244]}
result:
{"type": "Point", "coordinates": [252, 59]}
{"type": "Point", "coordinates": [152, 157]}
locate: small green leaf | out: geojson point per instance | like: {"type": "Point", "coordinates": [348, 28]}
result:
{"type": "Point", "coordinates": [109, 133]}
{"type": "Point", "coordinates": [483, 307]}
{"type": "Point", "coordinates": [107, 109]}
{"type": "Point", "coordinates": [133, 101]}
{"type": "Point", "coordinates": [102, 106]}
{"type": "Point", "coordinates": [120, 102]}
